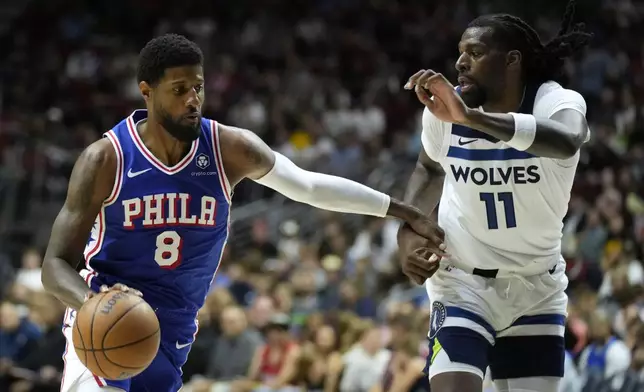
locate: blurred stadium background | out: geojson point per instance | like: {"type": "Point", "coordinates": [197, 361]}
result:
{"type": "Point", "coordinates": [320, 80]}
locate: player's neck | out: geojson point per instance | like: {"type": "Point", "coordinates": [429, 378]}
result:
{"type": "Point", "coordinates": [509, 101]}
{"type": "Point", "coordinates": [161, 144]}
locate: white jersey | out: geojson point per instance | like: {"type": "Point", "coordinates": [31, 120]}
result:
{"type": "Point", "coordinates": [502, 208]}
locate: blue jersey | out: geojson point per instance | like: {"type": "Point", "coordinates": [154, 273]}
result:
{"type": "Point", "coordinates": [163, 229]}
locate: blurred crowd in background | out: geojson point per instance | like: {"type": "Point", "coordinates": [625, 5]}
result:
{"type": "Point", "coordinates": [307, 299]}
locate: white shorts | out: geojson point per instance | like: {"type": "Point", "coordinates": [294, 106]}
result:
{"type": "Point", "coordinates": [162, 375]}
{"type": "Point", "coordinates": [514, 326]}
{"type": "Point", "coordinates": [76, 377]}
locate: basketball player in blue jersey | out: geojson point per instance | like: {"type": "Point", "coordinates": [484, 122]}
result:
{"type": "Point", "coordinates": [149, 204]}
{"type": "Point", "coordinates": [499, 157]}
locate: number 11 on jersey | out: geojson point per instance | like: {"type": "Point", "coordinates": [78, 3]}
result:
{"type": "Point", "coordinates": [490, 201]}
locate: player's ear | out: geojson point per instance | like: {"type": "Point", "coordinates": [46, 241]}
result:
{"type": "Point", "coordinates": [145, 89]}
{"type": "Point", "coordinates": [513, 59]}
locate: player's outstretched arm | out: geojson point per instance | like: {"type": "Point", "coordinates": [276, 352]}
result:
{"type": "Point", "coordinates": [559, 136]}
{"type": "Point", "coordinates": [90, 184]}
{"type": "Point", "coordinates": [245, 155]}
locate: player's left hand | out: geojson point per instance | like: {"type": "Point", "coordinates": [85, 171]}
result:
{"type": "Point", "coordinates": [439, 96]}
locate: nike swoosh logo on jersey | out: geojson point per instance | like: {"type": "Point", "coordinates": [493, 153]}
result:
{"type": "Point", "coordinates": [131, 174]}
{"type": "Point", "coordinates": [182, 346]}
{"type": "Point", "coordinates": [462, 142]}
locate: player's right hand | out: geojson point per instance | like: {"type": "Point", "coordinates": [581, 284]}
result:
{"type": "Point", "coordinates": [418, 255]}
{"type": "Point", "coordinates": [117, 287]}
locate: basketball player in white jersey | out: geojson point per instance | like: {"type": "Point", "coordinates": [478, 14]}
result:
{"type": "Point", "coordinates": [500, 152]}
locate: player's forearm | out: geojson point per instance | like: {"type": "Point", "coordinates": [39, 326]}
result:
{"type": "Point", "coordinates": [63, 282]}
{"type": "Point", "coordinates": [552, 139]}
{"type": "Point", "coordinates": [425, 187]}
{"type": "Point", "coordinates": [325, 191]}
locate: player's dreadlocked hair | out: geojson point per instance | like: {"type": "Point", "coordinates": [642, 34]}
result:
{"type": "Point", "coordinates": [166, 51]}
{"type": "Point", "coordinates": [540, 62]}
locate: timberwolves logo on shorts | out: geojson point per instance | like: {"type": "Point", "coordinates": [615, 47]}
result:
{"type": "Point", "coordinates": [437, 318]}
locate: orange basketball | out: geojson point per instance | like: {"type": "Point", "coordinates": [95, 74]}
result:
{"type": "Point", "coordinates": [116, 335]}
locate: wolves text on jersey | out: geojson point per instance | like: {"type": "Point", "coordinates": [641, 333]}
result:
{"type": "Point", "coordinates": [496, 175]}
{"type": "Point", "coordinates": [168, 209]}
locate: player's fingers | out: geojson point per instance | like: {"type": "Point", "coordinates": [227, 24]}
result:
{"type": "Point", "coordinates": [424, 272]}
{"type": "Point", "coordinates": [437, 79]}
{"type": "Point", "coordinates": [440, 86]}
{"type": "Point", "coordinates": [422, 79]}
{"type": "Point", "coordinates": [434, 258]}
{"type": "Point", "coordinates": [104, 288]}
{"type": "Point", "coordinates": [424, 97]}
{"type": "Point", "coordinates": [412, 80]}
{"type": "Point", "coordinates": [429, 249]}
{"type": "Point", "coordinates": [122, 287]}
{"type": "Point", "coordinates": [420, 264]}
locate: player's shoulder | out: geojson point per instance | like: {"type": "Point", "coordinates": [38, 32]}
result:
{"type": "Point", "coordinates": [96, 165]}
{"type": "Point", "coordinates": [553, 96]}
{"type": "Point", "coordinates": [235, 137]}
{"type": "Point", "coordinates": [100, 153]}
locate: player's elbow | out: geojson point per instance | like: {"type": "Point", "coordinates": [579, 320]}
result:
{"type": "Point", "coordinates": [46, 276]}
{"type": "Point", "coordinates": [569, 147]}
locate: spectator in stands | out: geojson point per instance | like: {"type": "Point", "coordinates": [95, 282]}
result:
{"type": "Point", "coordinates": [405, 368]}
{"type": "Point", "coordinates": [18, 334]}
{"type": "Point", "coordinates": [29, 273]}
{"type": "Point", "coordinates": [353, 300]}
{"type": "Point", "coordinates": [41, 369]}
{"type": "Point", "coordinates": [321, 362]}
{"type": "Point", "coordinates": [365, 363]}
{"type": "Point", "coordinates": [230, 354]}
{"type": "Point", "coordinates": [606, 355]}
{"type": "Point", "coordinates": [274, 365]}
{"type": "Point", "coordinates": [261, 310]}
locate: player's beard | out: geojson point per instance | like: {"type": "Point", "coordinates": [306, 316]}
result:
{"type": "Point", "coordinates": [182, 132]}
{"type": "Point", "coordinates": [475, 97]}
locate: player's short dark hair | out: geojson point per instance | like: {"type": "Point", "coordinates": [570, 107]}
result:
{"type": "Point", "coordinates": [163, 52]}
{"type": "Point", "coordinates": [541, 62]}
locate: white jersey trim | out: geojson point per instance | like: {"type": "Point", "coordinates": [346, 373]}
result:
{"type": "Point", "coordinates": [94, 250]}
{"type": "Point", "coordinates": [118, 178]}
{"type": "Point", "coordinates": [89, 253]}
{"type": "Point", "coordinates": [216, 146]}
{"type": "Point", "coordinates": [154, 160]}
